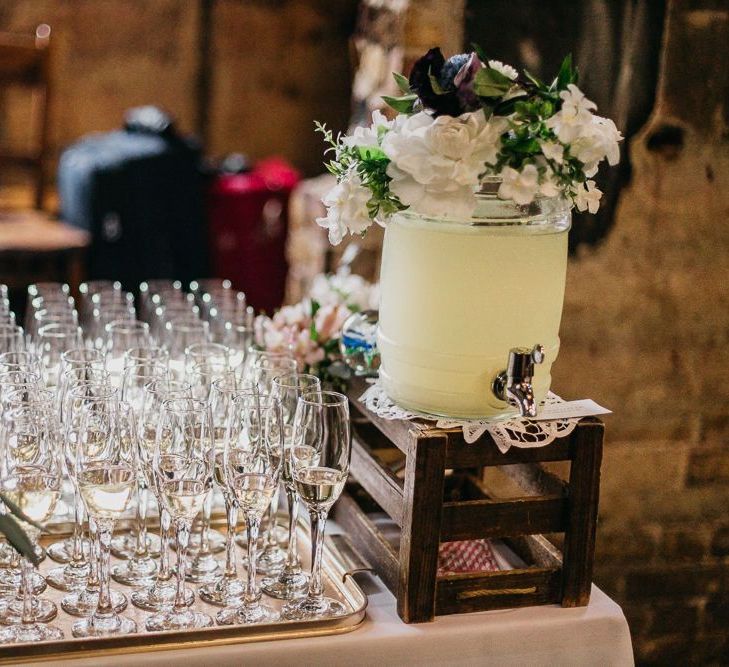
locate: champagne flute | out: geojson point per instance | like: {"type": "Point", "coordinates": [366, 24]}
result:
{"type": "Point", "coordinates": [292, 581]}
{"type": "Point", "coordinates": [84, 601]}
{"type": "Point", "coordinates": [136, 546]}
{"type": "Point", "coordinates": [120, 336]}
{"type": "Point", "coordinates": [53, 340]}
{"type": "Point", "coordinates": [227, 590]}
{"type": "Point", "coordinates": [162, 593]}
{"type": "Point", "coordinates": [73, 576]}
{"type": "Point", "coordinates": [252, 466]}
{"type": "Point", "coordinates": [261, 375]}
{"type": "Point", "coordinates": [106, 472]}
{"type": "Point", "coordinates": [184, 467]}
{"type": "Point", "coordinates": [319, 459]}
{"type": "Point", "coordinates": [32, 480]}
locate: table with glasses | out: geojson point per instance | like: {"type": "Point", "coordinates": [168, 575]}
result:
{"type": "Point", "coordinates": [153, 426]}
{"type": "Point", "coordinates": [112, 397]}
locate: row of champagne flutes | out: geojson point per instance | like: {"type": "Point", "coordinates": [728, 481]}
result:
{"type": "Point", "coordinates": [242, 419]}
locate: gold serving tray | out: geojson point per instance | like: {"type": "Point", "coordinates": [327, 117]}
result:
{"type": "Point", "coordinates": [337, 583]}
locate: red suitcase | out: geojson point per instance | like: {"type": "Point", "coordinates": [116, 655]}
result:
{"type": "Point", "coordinates": [248, 225]}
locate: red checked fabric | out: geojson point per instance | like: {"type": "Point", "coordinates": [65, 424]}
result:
{"type": "Point", "coordinates": [466, 556]}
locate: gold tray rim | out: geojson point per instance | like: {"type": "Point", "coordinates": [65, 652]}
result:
{"type": "Point", "coordinates": [335, 570]}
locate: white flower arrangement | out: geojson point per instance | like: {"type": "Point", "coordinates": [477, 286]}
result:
{"type": "Point", "coordinates": [460, 120]}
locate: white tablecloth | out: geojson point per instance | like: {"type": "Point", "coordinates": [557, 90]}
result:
{"type": "Point", "coordinates": [594, 635]}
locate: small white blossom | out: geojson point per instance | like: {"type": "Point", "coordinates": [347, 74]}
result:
{"type": "Point", "coordinates": [568, 122]}
{"type": "Point", "coordinates": [368, 135]}
{"type": "Point", "coordinates": [346, 205]}
{"type": "Point", "coordinates": [548, 186]}
{"type": "Point", "coordinates": [587, 197]}
{"type": "Point", "coordinates": [552, 150]}
{"type": "Point", "coordinates": [507, 70]}
{"type": "Point", "coordinates": [521, 186]}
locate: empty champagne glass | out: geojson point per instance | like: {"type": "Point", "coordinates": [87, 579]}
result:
{"type": "Point", "coordinates": [292, 581]}
{"type": "Point", "coordinates": [178, 335]}
{"type": "Point", "coordinates": [161, 594]}
{"type": "Point", "coordinates": [24, 361]}
{"type": "Point", "coordinates": [227, 590]}
{"type": "Point", "coordinates": [319, 460]}
{"type": "Point", "coordinates": [252, 465]}
{"type": "Point", "coordinates": [32, 480]}
{"type": "Point", "coordinates": [184, 467]}
{"type": "Point", "coordinates": [121, 336]}
{"type": "Point", "coordinates": [53, 341]}
{"type": "Point", "coordinates": [105, 469]}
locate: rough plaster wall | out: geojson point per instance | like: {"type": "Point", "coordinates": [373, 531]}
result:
{"type": "Point", "coordinates": [646, 332]}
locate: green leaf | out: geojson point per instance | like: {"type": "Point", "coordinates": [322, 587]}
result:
{"type": "Point", "coordinates": [402, 104]}
{"type": "Point", "coordinates": [535, 80]}
{"type": "Point", "coordinates": [315, 305]}
{"type": "Point", "coordinates": [490, 83]}
{"type": "Point", "coordinates": [402, 83]}
{"type": "Point", "coordinates": [371, 153]}
{"type": "Point", "coordinates": [14, 509]}
{"type": "Point", "coordinates": [17, 538]}
{"type": "Point", "coordinates": [567, 74]}
{"type": "Point", "coordinates": [480, 53]}
{"type": "Point", "coordinates": [505, 108]}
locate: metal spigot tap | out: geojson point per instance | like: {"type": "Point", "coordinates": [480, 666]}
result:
{"type": "Point", "coordinates": [514, 385]}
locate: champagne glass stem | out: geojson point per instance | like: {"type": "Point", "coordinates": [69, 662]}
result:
{"type": "Point", "coordinates": [165, 519]}
{"type": "Point", "coordinates": [253, 525]}
{"type": "Point", "coordinates": [318, 524]}
{"type": "Point", "coordinates": [26, 573]}
{"type": "Point", "coordinates": [141, 548]}
{"type": "Point", "coordinates": [77, 555]}
{"type": "Point", "coordinates": [271, 528]}
{"type": "Point", "coordinates": [182, 535]}
{"type": "Point", "coordinates": [93, 580]}
{"type": "Point", "coordinates": [231, 512]}
{"type": "Point", "coordinates": [104, 529]}
{"type": "Point", "coordinates": [205, 527]}
{"type": "Point", "coordinates": [292, 554]}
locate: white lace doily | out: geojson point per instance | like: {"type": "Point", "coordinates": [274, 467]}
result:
{"type": "Point", "coordinates": [516, 432]}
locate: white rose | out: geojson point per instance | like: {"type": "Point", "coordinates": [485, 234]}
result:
{"type": "Point", "coordinates": [436, 162]}
{"type": "Point", "coordinates": [346, 209]}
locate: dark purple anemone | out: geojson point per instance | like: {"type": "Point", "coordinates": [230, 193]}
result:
{"type": "Point", "coordinates": [454, 77]}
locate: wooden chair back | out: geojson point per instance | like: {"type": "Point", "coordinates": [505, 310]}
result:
{"type": "Point", "coordinates": [25, 61]}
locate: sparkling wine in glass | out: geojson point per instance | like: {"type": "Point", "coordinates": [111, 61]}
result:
{"type": "Point", "coordinates": [319, 459]}
{"type": "Point", "coordinates": [106, 473]}
{"type": "Point", "coordinates": [292, 581]}
{"type": "Point", "coordinates": [252, 465]}
{"type": "Point", "coordinates": [183, 464]}
{"type": "Point", "coordinates": [32, 481]}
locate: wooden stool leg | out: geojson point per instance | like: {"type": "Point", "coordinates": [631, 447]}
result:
{"type": "Point", "coordinates": [420, 536]}
{"type": "Point", "coordinates": [584, 491]}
